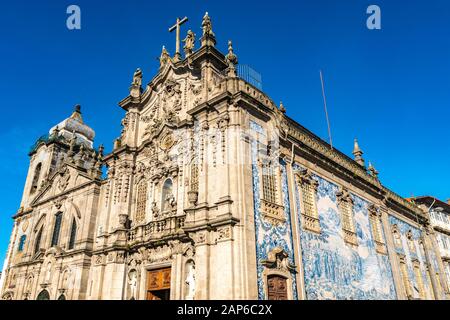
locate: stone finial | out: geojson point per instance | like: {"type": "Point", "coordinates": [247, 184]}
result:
{"type": "Point", "coordinates": [165, 58]}
{"type": "Point", "coordinates": [357, 152]}
{"type": "Point", "coordinates": [101, 149]}
{"type": "Point", "coordinates": [231, 57]}
{"type": "Point", "coordinates": [56, 131]}
{"type": "Point", "coordinates": [136, 85]}
{"type": "Point", "coordinates": [232, 60]}
{"type": "Point", "coordinates": [209, 38]}
{"type": "Point", "coordinates": [76, 115]}
{"type": "Point", "coordinates": [117, 143]}
{"type": "Point", "coordinates": [189, 43]}
{"type": "Point", "coordinates": [282, 108]}
{"type": "Point", "coordinates": [372, 171]}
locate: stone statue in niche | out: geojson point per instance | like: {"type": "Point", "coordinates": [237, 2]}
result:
{"type": "Point", "coordinates": [132, 284]}
{"type": "Point", "coordinates": [190, 280]}
{"type": "Point", "coordinates": [48, 275]}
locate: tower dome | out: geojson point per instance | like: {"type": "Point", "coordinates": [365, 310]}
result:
{"type": "Point", "coordinates": [75, 125]}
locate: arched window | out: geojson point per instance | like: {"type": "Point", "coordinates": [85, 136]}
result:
{"type": "Point", "coordinates": [73, 234]}
{"type": "Point", "coordinates": [37, 243]}
{"type": "Point", "coordinates": [44, 295]}
{"type": "Point", "coordinates": [35, 182]}
{"type": "Point", "coordinates": [56, 229]}
{"type": "Point", "coordinates": [22, 242]}
{"type": "Point", "coordinates": [167, 195]}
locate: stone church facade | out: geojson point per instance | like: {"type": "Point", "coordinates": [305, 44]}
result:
{"type": "Point", "coordinates": [211, 192]}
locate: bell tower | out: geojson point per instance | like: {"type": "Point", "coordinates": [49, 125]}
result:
{"type": "Point", "coordinates": [49, 151]}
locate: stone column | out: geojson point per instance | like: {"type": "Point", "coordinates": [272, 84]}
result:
{"type": "Point", "coordinates": [430, 245]}
{"type": "Point", "coordinates": [396, 273]}
{"type": "Point", "coordinates": [202, 264]}
{"type": "Point", "coordinates": [295, 230]}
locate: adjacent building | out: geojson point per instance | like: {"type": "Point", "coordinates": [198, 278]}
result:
{"type": "Point", "coordinates": [211, 192]}
{"type": "Point", "coordinates": [439, 213]}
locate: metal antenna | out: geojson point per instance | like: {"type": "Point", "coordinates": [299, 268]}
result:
{"type": "Point", "coordinates": [326, 110]}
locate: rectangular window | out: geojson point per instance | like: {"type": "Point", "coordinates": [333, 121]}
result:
{"type": "Point", "coordinates": [347, 215]}
{"type": "Point", "coordinates": [141, 204]}
{"type": "Point", "coordinates": [309, 201]}
{"type": "Point", "coordinates": [346, 210]}
{"type": "Point", "coordinates": [194, 177]}
{"type": "Point", "coordinates": [22, 242]}
{"type": "Point", "coordinates": [269, 184]}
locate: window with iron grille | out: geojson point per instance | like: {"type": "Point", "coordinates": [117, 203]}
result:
{"type": "Point", "coordinates": [269, 184]}
{"type": "Point", "coordinates": [346, 212]}
{"type": "Point", "coordinates": [309, 201]}
{"type": "Point", "coordinates": [141, 204]}
{"type": "Point", "coordinates": [194, 177]}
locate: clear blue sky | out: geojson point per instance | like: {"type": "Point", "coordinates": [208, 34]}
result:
{"type": "Point", "coordinates": [389, 87]}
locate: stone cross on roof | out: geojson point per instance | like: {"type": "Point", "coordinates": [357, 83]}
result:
{"type": "Point", "coordinates": [176, 27]}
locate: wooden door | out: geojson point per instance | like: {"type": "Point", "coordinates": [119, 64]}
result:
{"type": "Point", "coordinates": [158, 284]}
{"type": "Point", "coordinates": [277, 288]}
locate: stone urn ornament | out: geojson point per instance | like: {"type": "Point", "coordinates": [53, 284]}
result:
{"type": "Point", "coordinates": [193, 197]}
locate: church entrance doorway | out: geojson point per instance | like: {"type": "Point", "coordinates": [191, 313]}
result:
{"type": "Point", "coordinates": [158, 284]}
{"type": "Point", "coordinates": [277, 288]}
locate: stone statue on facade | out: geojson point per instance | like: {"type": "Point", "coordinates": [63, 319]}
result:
{"type": "Point", "coordinates": [189, 43]}
{"type": "Point", "coordinates": [209, 38]}
{"type": "Point", "coordinates": [190, 282]}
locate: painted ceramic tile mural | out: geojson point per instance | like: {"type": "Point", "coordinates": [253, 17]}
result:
{"type": "Point", "coordinates": [269, 236]}
{"type": "Point", "coordinates": [333, 269]}
{"type": "Point", "coordinates": [418, 253]}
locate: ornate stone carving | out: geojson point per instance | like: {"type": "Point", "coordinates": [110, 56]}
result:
{"type": "Point", "coordinates": [201, 237]}
{"type": "Point", "coordinates": [278, 259]}
{"type": "Point", "coordinates": [136, 85]}
{"type": "Point", "coordinates": [223, 233]}
{"type": "Point", "coordinates": [193, 198]}
{"type": "Point", "coordinates": [64, 178]}
{"type": "Point", "coordinates": [165, 59]}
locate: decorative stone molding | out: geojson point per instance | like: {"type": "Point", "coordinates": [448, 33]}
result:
{"type": "Point", "coordinates": [272, 212]}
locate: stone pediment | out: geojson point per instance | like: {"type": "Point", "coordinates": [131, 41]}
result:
{"type": "Point", "coordinates": [61, 182]}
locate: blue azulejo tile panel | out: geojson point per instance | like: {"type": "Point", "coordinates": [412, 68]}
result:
{"type": "Point", "coordinates": [268, 235]}
{"type": "Point", "coordinates": [332, 268]}
{"type": "Point", "coordinates": [412, 249]}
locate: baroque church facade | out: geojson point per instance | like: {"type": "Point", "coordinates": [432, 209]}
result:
{"type": "Point", "coordinates": [211, 192]}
